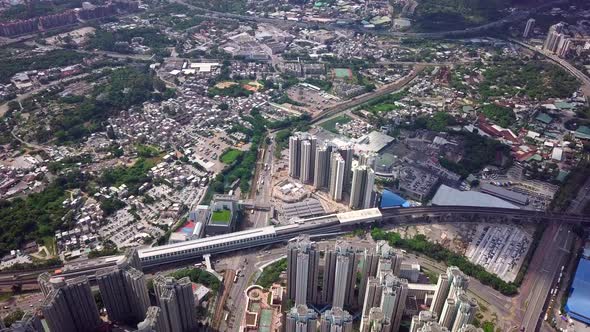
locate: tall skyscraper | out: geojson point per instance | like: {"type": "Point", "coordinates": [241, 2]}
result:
{"type": "Point", "coordinates": [390, 259]}
{"type": "Point", "coordinates": [458, 281]}
{"type": "Point", "coordinates": [123, 290]}
{"type": "Point", "coordinates": [449, 285]}
{"type": "Point", "coordinates": [393, 299]}
{"type": "Point", "coordinates": [368, 159]}
{"type": "Point", "coordinates": [302, 270]}
{"type": "Point", "coordinates": [170, 310]}
{"type": "Point", "coordinates": [389, 293]}
{"type": "Point", "coordinates": [177, 301]}
{"type": "Point", "coordinates": [340, 269]}
{"type": "Point", "coordinates": [70, 306]}
{"type": "Point", "coordinates": [383, 258]}
{"type": "Point", "coordinates": [564, 47]}
{"type": "Point", "coordinates": [301, 319]}
{"type": "Point", "coordinates": [153, 322]}
{"type": "Point", "coordinates": [422, 319]}
{"type": "Point", "coordinates": [347, 153]}
{"type": "Point", "coordinates": [465, 313]}
{"type": "Point", "coordinates": [554, 37]}
{"type": "Point", "coordinates": [343, 268]}
{"type": "Point", "coordinates": [440, 294]}
{"type": "Point", "coordinates": [322, 167]}
{"type": "Point", "coordinates": [363, 181]}
{"type": "Point", "coordinates": [433, 327]}
{"type": "Point", "coordinates": [337, 171]}
{"type": "Point", "coordinates": [311, 164]}
{"type": "Point", "coordinates": [48, 283]}
{"type": "Point", "coordinates": [302, 151]}
{"type": "Point", "coordinates": [530, 25]}
{"type": "Point", "coordinates": [306, 164]}
{"type": "Point", "coordinates": [449, 312]}
{"type": "Point", "coordinates": [372, 295]}
{"type": "Point", "coordinates": [294, 157]}
{"type": "Point", "coordinates": [375, 321]}
{"type": "Point", "coordinates": [336, 319]}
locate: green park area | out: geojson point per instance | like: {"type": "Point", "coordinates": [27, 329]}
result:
{"type": "Point", "coordinates": [502, 116]}
{"type": "Point", "coordinates": [198, 276]}
{"type": "Point", "coordinates": [330, 125]}
{"type": "Point", "coordinates": [230, 155]}
{"type": "Point", "coordinates": [271, 274]}
{"type": "Point", "coordinates": [384, 103]}
{"type": "Point", "coordinates": [221, 216]}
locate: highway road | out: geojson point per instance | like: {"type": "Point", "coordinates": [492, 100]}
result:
{"type": "Point", "coordinates": [249, 263]}
{"type": "Point", "coordinates": [550, 256]}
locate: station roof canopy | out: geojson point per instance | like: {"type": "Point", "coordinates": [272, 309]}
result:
{"type": "Point", "coordinates": [359, 216]}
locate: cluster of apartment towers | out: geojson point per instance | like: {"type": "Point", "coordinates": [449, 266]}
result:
{"type": "Point", "coordinates": [331, 167]}
{"type": "Point", "coordinates": [380, 293]}
{"type": "Point", "coordinates": [69, 306]}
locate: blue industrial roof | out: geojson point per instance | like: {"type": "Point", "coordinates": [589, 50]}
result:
{"type": "Point", "coordinates": [390, 199]}
{"type": "Point", "coordinates": [578, 304]}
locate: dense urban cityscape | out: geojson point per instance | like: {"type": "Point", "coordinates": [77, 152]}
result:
{"type": "Point", "coordinates": [294, 165]}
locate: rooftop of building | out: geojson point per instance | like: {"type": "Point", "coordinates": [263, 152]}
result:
{"type": "Point", "coordinates": [504, 193]}
{"type": "Point", "coordinates": [359, 215]}
{"type": "Point", "coordinates": [578, 304]}
{"type": "Point", "coordinates": [446, 195]}
{"type": "Point", "coordinates": [391, 199]}
{"type": "Point", "coordinates": [221, 217]}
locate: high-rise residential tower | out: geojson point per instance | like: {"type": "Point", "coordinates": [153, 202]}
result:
{"type": "Point", "coordinates": [306, 164]}
{"type": "Point", "coordinates": [449, 312]}
{"type": "Point", "coordinates": [336, 319]}
{"type": "Point", "coordinates": [153, 322]}
{"type": "Point", "coordinates": [347, 153]}
{"type": "Point", "coordinates": [465, 313]}
{"type": "Point", "coordinates": [301, 319]}
{"type": "Point", "coordinates": [449, 285]}
{"type": "Point", "coordinates": [389, 293]}
{"type": "Point", "coordinates": [530, 26]}
{"type": "Point", "coordinates": [302, 154]}
{"type": "Point", "coordinates": [70, 306]}
{"type": "Point", "coordinates": [177, 301]}
{"type": "Point", "coordinates": [368, 159]}
{"type": "Point", "coordinates": [340, 267]}
{"type": "Point", "coordinates": [322, 167]}
{"type": "Point", "coordinates": [294, 157]}
{"type": "Point", "coordinates": [422, 319]}
{"type": "Point", "coordinates": [363, 181]}
{"type": "Point", "coordinates": [374, 321]}
{"type": "Point", "coordinates": [337, 171]}
{"type": "Point", "coordinates": [123, 290]}
{"type": "Point", "coordinates": [554, 37]}
{"type": "Point", "coordinates": [382, 258]}
{"type": "Point", "coordinates": [302, 270]}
